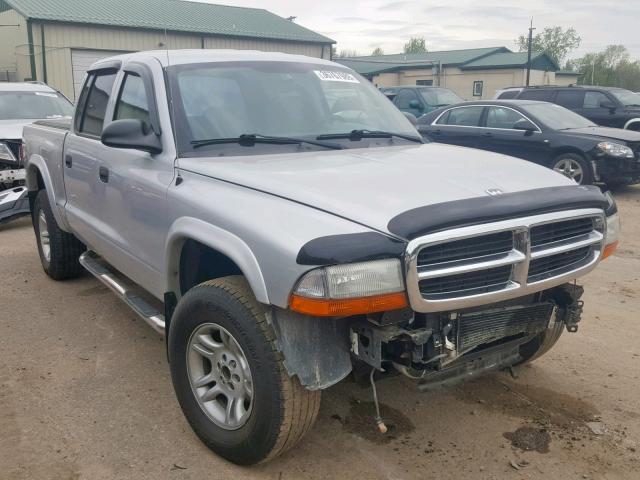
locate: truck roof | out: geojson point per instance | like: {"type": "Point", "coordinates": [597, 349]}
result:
{"type": "Point", "coordinates": [186, 56]}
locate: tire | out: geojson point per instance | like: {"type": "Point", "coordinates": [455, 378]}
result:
{"type": "Point", "coordinates": [565, 164]}
{"type": "Point", "coordinates": [277, 413]}
{"type": "Point", "coordinates": [541, 343]}
{"type": "Point", "coordinates": [59, 250]}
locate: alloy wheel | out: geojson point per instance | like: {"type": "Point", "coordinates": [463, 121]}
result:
{"type": "Point", "coordinates": [570, 168]}
{"type": "Point", "coordinates": [220, 376]}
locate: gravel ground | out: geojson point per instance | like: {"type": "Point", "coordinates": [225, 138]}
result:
{"type": "Point", "coordinates": [85, 393]}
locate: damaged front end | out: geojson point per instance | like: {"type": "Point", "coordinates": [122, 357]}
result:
{"type": "Point", "coordinates": [14, 200]}
{"type": "Point", "coordinates": [441, 349]}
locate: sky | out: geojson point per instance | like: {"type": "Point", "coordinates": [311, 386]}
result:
{"type": "Point", "coordinates": [367, 24]}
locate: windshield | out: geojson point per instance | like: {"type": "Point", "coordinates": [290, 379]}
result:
{"type": "Point", "coordinates": [33, 105]}
{"type": "Point", "coordinates": [280, 99]}
{"type": "Point", "coordinates": [439, 97]}
{"type": "Point", "coordinates": [626, 97]}
{"type": "Point", "coordinates": [556, 117]}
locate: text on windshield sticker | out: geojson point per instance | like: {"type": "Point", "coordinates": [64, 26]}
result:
{"type": "Point", "coordinates": [335, 76]}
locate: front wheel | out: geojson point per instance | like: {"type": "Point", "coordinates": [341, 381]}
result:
{"type": "Point", "coordinates": [575, 167]}
{"type": "Point", "coordinates": [229, 376]}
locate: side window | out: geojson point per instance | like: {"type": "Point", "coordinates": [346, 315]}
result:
{"type": "Point", "coordinates": [594, 99]}
{"type": "Point", "coordinates": [82, 100]}
{"type": "Point", "coordinates": [404, 97]}
{"type": "Point", "coordinates": [132, 103]}
{"type": "Point", "coordinates": [508, 94]}
{"type": "Point", "coordinates": [570, 99]}
{"type": "Point", "coordinates": [464, 117]}
{"type": "Point", "coordinates": [499, 117]}
{"type": "Point", "coordinates": [96, 104]}
{"type": "Point", "coordinates": [539, 94]}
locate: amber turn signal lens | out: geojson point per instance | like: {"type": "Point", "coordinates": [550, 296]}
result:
{"type": "Point", "coordinates": [322, 307]}
{"type": "Point", "coordinates": [609, 249]}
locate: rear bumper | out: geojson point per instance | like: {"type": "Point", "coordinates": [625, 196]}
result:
{"type": "Point", "coordinates": [14, 203]}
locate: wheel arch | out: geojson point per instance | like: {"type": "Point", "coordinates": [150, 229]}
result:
{"type": "Point", "coordinates": [37, 177]}
{"type": "Point", "coordinates": [191, 239]}
{"type": "Point", "coordinates": [634, 122]}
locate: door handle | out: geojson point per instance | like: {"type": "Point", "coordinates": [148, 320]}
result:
{"type": "Point", "coordinates": [103, 173]}
{"type": "Point", "coordinates": [487, 134]}
{"type": "Point", "coordinates": [437, 132]}
{"type": "Point", "coordinates": [68, 161]}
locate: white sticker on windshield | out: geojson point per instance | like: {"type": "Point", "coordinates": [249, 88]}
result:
{"type": "Point", "coordinates": [45, 94]}
{"type": "Point", "coordinates": [335, 76]}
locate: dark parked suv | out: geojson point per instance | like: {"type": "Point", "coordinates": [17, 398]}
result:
{"type": "Point", "coordinates": [605, 106]}
{"type": "Point", "coordinates": [419, 100]}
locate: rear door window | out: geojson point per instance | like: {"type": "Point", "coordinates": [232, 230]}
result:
{"type": "Point", "coordinates": [96, 103]}
{"type": "Point", "coordinates": [539, 95]}
{"type": "Point", "coordinates": [462, 117]}
{"type": "Point", "coordinates": [570, 99]}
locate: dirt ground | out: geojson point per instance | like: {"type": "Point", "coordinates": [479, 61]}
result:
{"type": "Point", "coordinates": [85, 393]}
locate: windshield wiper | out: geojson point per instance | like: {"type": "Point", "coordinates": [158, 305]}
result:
{"type": "Point", "coordinates": [250, 139]}
{"type": "Point", "coordinates": [355, 135]}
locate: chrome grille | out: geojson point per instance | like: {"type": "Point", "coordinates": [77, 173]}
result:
{"type": "Point", "coordinates": [480, 264]}
{"type": "Point", "coordinates": [553, 265]}
{"type": "Point", "coordinates": [482, 281]}
{"type": "Point", "coordinates": [548, 233]}
{"type": "Point", "coordinates": [492, 244]}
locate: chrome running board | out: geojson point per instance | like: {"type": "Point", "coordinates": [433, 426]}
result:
{"type": "Point", "coordinates": [126, 290]}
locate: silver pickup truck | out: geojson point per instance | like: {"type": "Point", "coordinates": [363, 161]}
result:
{"type": "Point", "coordinates": [285, 226]}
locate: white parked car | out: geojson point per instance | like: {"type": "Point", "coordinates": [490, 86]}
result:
{"type": "Point", "coordinates": [20, 105]}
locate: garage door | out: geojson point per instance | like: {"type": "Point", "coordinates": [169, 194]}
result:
{"type": "Point", "coordinates": [81, 60]}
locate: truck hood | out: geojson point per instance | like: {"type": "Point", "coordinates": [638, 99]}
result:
{"type": "Point", "coordinates": [12, 129]}
{"type": "Point", "coordinates": [372, 185]}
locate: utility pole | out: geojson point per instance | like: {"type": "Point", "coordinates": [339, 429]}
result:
{"type": "Point", "coordinates": [529, 46]}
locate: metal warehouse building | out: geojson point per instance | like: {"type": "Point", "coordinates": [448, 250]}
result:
{"type": "Point", "coordinates": [55, 41]}
{"type": "Point", "coordinates": [474, 74]}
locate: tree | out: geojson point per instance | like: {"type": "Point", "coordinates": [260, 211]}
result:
{"type": "Point", "coordinates": [554, 41]}
{"type": "Point", "coordinates": [612, 67]}
{"type": "Point", "coordinates": [415, 45]}
{"type": "Point", "coordinates": [346, 53]}
{"type": "Point", "coordinates": [377, 51]}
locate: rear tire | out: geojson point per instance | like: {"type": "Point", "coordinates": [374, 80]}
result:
{"type": "Point", "coordinates": [221, 321]}
{"type": "Point", "coordinates": [59, 250]}
{"type": "Point", "coordinates": [575, 167]}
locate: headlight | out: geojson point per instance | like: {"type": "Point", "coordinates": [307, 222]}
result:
{"type": "Point", "coordinates": [350, 289]}
{"type": "Point", "coordinates": [615, 149]}
{"type": "Point", "coordinates": [6, 153]}
{"type": "Point", "coordinates": [612, 236]}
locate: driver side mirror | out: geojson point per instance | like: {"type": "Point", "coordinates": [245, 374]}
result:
{"type": "Point", "coordinates": [131, 133]}
{"type": "Point", "coordinates": [608, 104]}
{"type": "Point", "coordinates": [526, 126]}
{"type": "Point", "coordinates": [415, 104]}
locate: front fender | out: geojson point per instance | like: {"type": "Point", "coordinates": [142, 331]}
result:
{"type": "Point", "coordinates": [189, 228]}
{"type": "Point", "coordinates": [36, 164]}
